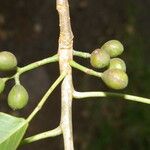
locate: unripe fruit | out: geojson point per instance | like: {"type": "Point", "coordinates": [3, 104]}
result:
{"type": "Point", "coordinates": [115, 79]}
{"type": "Point", "coordinates": [18, 97]}
{"type": "Point", "coordinates": [2, 85]}
{"type": "Point", "coordinates": [99, 58]}
{"type": "Point", "coordinates": [8, 61]}
{"type": "Point", "coordinates": [117, 63]}
{"type": "Point", "coordinates": [113, 47]}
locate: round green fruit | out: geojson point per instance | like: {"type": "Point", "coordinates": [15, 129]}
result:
{"type": "Point", "coordinates": [113, 47]}
{"type": "Point", "coordinates": [8, 61]}
{"type": "Point", "coordinates": [115, 79]}
{"type": "Point", "coordinates": [117, 63]}
{"type": "Point", "coordinates": [99, 58]}
{"type": "Point", "coordinates": [18, 97]}
{"type": "Point", "coordinates": [2, 85]}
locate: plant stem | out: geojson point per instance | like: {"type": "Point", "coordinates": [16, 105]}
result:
{"type": "Point", "coordinates": [81, 54]}
{"type": "Point", "coordinates": [52, 133]}
{"type": "Point", "coordinates": [80, 95]}
{"type": "Point", "coordinates": [45, 97]}
{"type": "Point", "coordinates": [65, 51]}
{"type": "Point", "coordinates": [85, 69]}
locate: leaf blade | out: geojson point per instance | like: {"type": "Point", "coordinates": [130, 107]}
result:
{"type": "Point", "coordinates": [12, 130]}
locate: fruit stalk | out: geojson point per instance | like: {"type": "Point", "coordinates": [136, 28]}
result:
{"type": "Point", "coordinates": [65, 51]}
{"type": "Point", "coordinates": [85, 69]}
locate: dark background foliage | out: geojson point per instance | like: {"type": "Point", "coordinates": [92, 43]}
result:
{"type": "Point", "coordinates": [29, 29]}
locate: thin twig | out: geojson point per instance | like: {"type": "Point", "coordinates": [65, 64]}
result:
{"type": "Point", "coordinates": [52, 133]}
{"type": "Point", "coordinates": [45, 97]}
{"type": "Point", "coordinates": [38, 64]}
{"type": "Point", "coordinates": [21, 70]}
{"type": "Point", "coordinates": [80, 95]}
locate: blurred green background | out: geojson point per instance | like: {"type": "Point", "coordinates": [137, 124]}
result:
{"type": "Point", "coordinates": [29, 29]}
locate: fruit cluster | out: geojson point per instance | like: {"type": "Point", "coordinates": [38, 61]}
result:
{"type": "Point", "coordinates": [115, 76]}
{"type": "Point", "coordinates": [18, 96]}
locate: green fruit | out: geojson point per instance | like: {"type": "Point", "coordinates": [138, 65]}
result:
{"type": "Point", "coordinates": [113, 47]}
{"type": "Point", "coordinates": [2, 85]}
{"type": "Point", "coordinates": [117, 63]}
{"type": "Point", "coordinates": [99, 58]}
{"type": "Point", "coordinates": [8, 61]}
{"type": "Point", "coordinates": [18, 97]}
{"type": "Point", "coordinates": [115, 79]}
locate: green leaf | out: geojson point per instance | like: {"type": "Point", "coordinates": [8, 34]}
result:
{"type": "Point", "coordinates": [12, 130]}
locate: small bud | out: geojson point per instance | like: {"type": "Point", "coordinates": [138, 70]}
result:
{"type": "Point", "coordinates": [115, 79]}
{"type": "Point", "coordinates": [113, 47]}
{"type": "Point", "coordinates": [8, 61]}
{"type": "Point", "coordinates": [99, 58]}
{"type": "Point", "coordinates": [117, 63]}
{"type": "Point", "coordinates": [18, 97]}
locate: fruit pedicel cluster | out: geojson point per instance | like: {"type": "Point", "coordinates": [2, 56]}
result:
{"type": "Point", "coordinates": [18, 96]}
{"type": "Point", "coordinates": [115, 76]}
